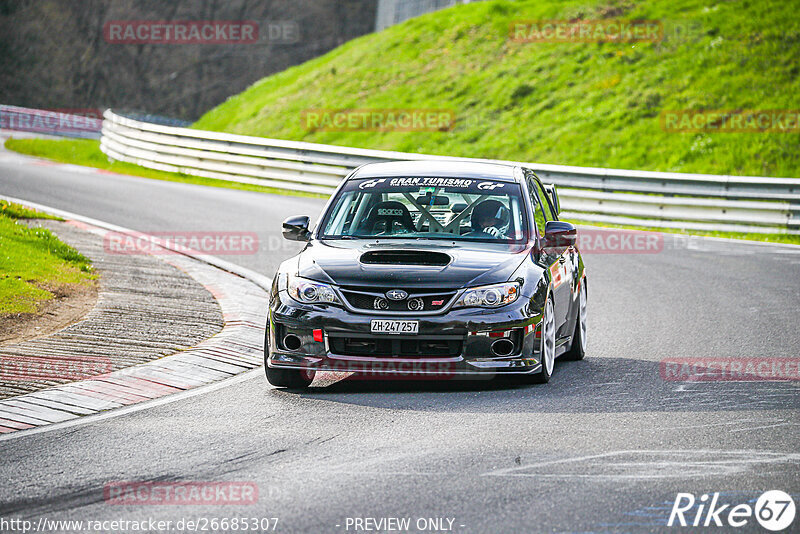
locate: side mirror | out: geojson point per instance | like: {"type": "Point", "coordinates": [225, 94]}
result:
{"type": "Point", "coordinates": [296, 228]}
{"type": "Point", "coordinates": [559, 234]}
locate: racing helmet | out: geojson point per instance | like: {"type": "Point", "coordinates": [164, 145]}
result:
{"type": "Point", "coordinates": [489, 209]}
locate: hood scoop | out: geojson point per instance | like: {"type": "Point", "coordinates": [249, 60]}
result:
{"type": "Point", "coordinates": [405, 257]}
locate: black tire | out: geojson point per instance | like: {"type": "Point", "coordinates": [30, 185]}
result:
{"type": "Point", "coordinates": [289, 378]}
{"type": "Point", "coordinates": [577, 349]}
{"type": "Point", "coordinates": [539, 378]}
{"type": "Point", "coordinates": [548, 344]}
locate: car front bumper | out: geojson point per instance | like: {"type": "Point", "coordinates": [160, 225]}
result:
{"type": "Point", "coordinates": [453, 344]}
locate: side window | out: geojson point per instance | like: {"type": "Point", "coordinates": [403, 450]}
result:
{"type": "Point", "coordinates": [538, 215]}
{"type": "Point", "coordinates": [548, 212]}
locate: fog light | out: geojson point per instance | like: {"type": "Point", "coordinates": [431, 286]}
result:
{"type": "Point", "coordinates": [503, 347]}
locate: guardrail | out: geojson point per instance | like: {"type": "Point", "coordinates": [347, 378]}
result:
{"type": "Point", "coordinates": [640, 198]}
{"type": "Point", "coordinates": [51, 122]}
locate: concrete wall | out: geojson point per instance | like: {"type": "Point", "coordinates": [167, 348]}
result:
{"type": "Point", "coordinates": [391, 12]}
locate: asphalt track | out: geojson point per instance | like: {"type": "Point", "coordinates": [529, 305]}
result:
{"type": "Point", "coordinates": [605, 446]}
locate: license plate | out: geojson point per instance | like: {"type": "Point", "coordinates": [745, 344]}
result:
{"type": "Point", "coordinates": [379, 326]}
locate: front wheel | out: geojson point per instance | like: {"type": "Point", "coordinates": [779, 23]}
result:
{"type": "Point", "coordinates": [548, 344]}
{"type": "Point", "coordinates": [289, 378]}
{"type": "Point", "coordinates": [577, 351]}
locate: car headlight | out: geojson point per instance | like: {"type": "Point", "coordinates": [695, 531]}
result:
{"type": "Point", "coordinates": [492, 296]}
{"type": "Point", "coordinates": [311, 292]}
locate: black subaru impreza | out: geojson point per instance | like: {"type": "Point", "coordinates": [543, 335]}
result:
{"type": "Point", "coordinates": [429, 269]}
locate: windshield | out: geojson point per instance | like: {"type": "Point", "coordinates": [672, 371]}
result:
{"type": "Point", "coordinates": [432, 208]}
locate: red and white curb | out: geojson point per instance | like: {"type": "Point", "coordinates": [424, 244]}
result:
{"type": "Point", "coordinates": [243, 296]}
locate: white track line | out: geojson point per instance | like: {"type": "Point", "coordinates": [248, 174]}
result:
{"type": "Point", "coordinates": [145, 405]}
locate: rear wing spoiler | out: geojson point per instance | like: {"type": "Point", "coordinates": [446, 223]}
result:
{"type": "Point", "coordinates": [550, 189]}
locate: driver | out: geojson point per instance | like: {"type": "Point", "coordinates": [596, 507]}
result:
{"type": "Point", "coordinates": [491, 218]}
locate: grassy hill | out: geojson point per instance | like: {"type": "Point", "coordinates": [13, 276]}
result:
{"type": "Point", "coordinates": [589, 104]}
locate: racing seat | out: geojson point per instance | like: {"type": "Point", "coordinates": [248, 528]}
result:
{"type": "Point", "coordinates": [384, 216]}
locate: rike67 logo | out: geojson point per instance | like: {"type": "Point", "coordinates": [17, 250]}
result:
{"type": "Point", "coordinates": [774, 510]}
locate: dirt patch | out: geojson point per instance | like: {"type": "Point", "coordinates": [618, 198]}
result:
{"type": "Point", "coordinates": [70, 304]}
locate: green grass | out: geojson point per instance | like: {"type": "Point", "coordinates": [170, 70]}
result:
{"type": "Point", "coordinates": [15, 211]}
{"type": "Point", "coordinates": [34, 263]}
{"type": "Point", "coordinates": [586, 104]}
{"type": "Point", "coordinates": [87, 152]}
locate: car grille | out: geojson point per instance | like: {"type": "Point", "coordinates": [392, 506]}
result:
{"type": "Point", "coordinates": [418, 301]}
{"type": "Point", "coordinates": [393, 347]}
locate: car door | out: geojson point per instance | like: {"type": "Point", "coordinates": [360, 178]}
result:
{"type": "Point", "coordinates": [558, 260]}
